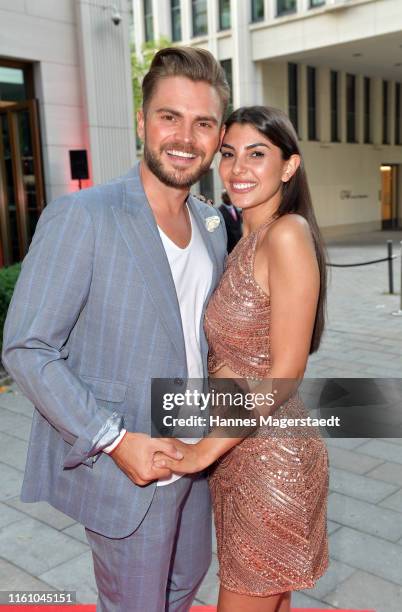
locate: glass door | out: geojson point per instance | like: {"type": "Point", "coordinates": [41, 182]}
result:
{"type": "Point", "coordinates": [389, 202]}
{"type": "Point", "coordinates": [21, 180]}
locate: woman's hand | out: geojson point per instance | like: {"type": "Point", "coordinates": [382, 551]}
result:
{"type": "Point", "coordinates": [195, 459]}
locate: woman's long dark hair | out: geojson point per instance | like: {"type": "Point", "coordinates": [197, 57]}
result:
{"type": "Point", "coordinates": [277, 127]}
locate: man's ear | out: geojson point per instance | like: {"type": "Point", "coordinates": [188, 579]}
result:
{"type": "Point", "coordinates": [141, 124]}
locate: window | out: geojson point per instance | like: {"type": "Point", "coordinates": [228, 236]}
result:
{"type": "Point", "coordinates": [385, 112]}
{"type": "Point", "coordinates": [334, 107]}
{"type": "Point", "coordinates": [314, 3]}
{"type": "Point", "coordinates": [227, 67]}
{"type": "Point", "coordinates": [175, 18]}
{"type": "Point", "coordinates": [367, 109]}
{"type": "Point", "coordinates": [257, 10]}
{"type": "Point", "coordinates": [311, 103]}
{"type": "Point", "coordinates": [350, 108]}
{"type": "Point", "coordinates": [200, 17]}
{"type": "Point", "coordinates": [148, 20]}
{"type": "Point", "coordinates": [398, 111]}
{"type": "Point", "coordinates": [12, 84]}
{"type": "Point", "coordinates": [224, 15]}
{"type": "Point", "coordinates": [292, 95]}
{"type": "Point", "coordinates": [284, 7]}
{"type": "Point", "coordinates": [16, 81]}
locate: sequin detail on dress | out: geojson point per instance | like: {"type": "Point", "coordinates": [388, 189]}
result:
{"type": "Point", "coordinates": [269, 493]}
{"type": "Point", "coordinates": [237, 318]}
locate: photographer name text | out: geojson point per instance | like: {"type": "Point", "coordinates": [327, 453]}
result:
{"type": "Point", "coordinates": [262, 421]}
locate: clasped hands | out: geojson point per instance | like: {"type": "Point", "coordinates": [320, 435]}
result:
{"type": "Point", "coordinates": [144, 459]}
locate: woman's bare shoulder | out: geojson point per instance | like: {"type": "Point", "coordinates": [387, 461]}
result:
{"type": "Point", "coordinates": [289, 230]}
{"type": "Point", "coordinates": [291, 223]}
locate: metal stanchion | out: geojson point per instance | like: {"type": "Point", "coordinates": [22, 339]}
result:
{"type": "Point", "coordinates": [390, 267]}
{"type": "Point", "coordinates": [398, 313]}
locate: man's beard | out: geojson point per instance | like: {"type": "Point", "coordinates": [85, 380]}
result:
{"type": "Point", "coordinates": [175, 178]}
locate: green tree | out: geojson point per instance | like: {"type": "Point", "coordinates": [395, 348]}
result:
{"type": "Point", "coordinates": [8, 278]}
{"type": "Point", "coordinates": [140, 66]}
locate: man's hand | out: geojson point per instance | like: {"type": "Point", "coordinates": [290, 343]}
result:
{"type": "Point", "coordinates": [195, 459]}
{"type": "Point", "coordinates": [135, 454]}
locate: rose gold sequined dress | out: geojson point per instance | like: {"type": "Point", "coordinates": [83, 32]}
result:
{"type": "Point", "coordinates": [269, 493]}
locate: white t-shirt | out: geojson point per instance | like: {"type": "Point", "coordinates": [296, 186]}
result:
{"type": "Point", "coordinates": [192, 275]}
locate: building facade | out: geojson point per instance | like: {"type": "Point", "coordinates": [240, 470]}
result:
{"type": "Point", "coordinates": [65, 86]}
{"type": "Point", "coordinates": [335, 66]}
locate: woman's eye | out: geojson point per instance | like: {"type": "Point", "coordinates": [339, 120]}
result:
{"type": "Point", "coordinates": [257, 154]}
{"type": "Point", "coordinates": [226, 154]}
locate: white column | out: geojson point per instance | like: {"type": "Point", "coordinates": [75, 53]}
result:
{"type": "Point", "coordinates": [161, 19]}
{"type": "Point", "coordinates": [376, 110]}
{"type": "Point", "coordinates": [275, 84]}
{"type": "Point", "coordinates": [247, 82]}
{"type": "Point", "coordinates": [258, 83]}
{"type": "Point", "coordinates": [302, 5]}
{"type": "Point", "coordinates": [139, 28]}
{"type": "Point", "coordinates": [271, 6]}
{"type": "Point", "coordinates": [186, 23]}
{"type": "Point", "coordinates": [213, 26]}
{"type": "Point", "coordinates": [106, 83]}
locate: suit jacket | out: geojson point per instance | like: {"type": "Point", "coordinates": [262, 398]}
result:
{"type": "Point", "coordinates": [94, 316]}
{"type": "Point", "coordinates": [233, 228]}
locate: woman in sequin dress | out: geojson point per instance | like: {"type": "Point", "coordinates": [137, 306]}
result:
{"type": "Point", "coordinates": [269, 492]}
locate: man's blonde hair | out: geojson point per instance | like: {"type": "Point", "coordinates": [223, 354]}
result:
{"type": "Point", "coordinates": [189, 62]}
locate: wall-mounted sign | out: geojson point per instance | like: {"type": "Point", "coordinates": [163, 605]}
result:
{"type": "Point", "coordinates": [347, 194]}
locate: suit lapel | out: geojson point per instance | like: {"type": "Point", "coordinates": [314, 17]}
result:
{"type": "Point", "coordinates": [137, 225]}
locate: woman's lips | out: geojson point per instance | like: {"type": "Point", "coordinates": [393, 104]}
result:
{"type": "Point", "coordinates": [242, 186]}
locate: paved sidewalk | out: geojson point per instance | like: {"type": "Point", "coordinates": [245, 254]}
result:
{"type": "Point", "coordinates": [41, 548]}
{"type": "Point", "coordinates": [362, 338]}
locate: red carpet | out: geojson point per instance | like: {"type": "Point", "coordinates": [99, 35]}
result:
{"type": "Point", "coordinates": [91, 608]}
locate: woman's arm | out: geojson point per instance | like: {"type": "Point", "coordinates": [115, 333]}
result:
{"type": "Point", "coordinates": [287, 260]}
{"type": "Point", "coordinates": [294, 284]}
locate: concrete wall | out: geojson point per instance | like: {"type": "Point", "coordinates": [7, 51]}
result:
{"type": "Point", "coordinates": [81, 74]}
{"type": "Point", "coordinates": [104, 52]}
{"type": "Point", "coordinates": [308, 29]}
{"type": "Point", "coordinates": [344, 178]}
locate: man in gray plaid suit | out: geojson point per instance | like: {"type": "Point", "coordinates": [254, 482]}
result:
{"type": "Point", "coordinates": [112, 294]}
